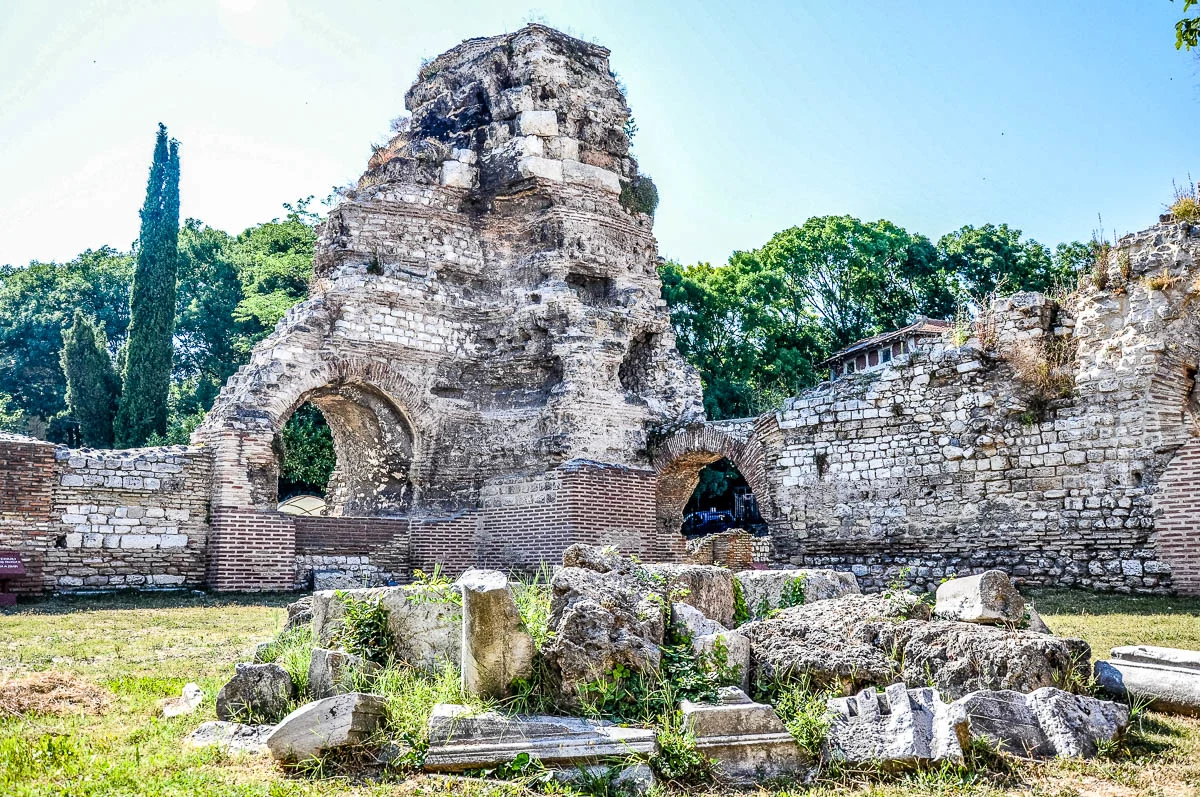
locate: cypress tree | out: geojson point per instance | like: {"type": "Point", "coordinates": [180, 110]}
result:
{"type": "Point", "coordinates": [147, 370]}
{"type": "Point", "coordinates": [92, 383]}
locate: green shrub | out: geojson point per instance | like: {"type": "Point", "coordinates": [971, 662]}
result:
{"type": "Point", "coordinates": [741, 612]}
{"type": "Point", "coordinates": [292, 650]}
{"type": "Point", "coordinates": [793, 593]}
{"type": "Point", "coordinates": [677, 760]}
{"type": "Point", "coordinates": [363, 630]}
{"type": "Point", "coordinates": [803, 712]}
{"type": "Point", "coordinates": [640, 195]}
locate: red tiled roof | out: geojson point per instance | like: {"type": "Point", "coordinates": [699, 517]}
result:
{"type": "Point", "coordinates": [925, 327]}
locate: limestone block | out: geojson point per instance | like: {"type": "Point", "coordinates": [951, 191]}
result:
{"type": "Point", "coordinates": [988, 597]}
{"type": "Point", "coordinates": [1167, 677]}
{"type": "Point", "coordinates": [325, 725]}
{"type": "Point", "coordinates": [232, 737]}
{"type": "Point", "coordinates": [1045, 723]}
{"type": "Point", "coordinates": [327, 579]}
{"type": "Point", "coordinates": [591, 176]}
{"type": "Point", "coordinates": [457, 174]}
{"type": "Point", "coordinates": [545, 168]}
{"type": "Point", "coordinates": [327, 670]}
{"type": "Point", "coordinates": [426, 622]}
{"type": "Point", "coordinates": [765, 588]}
{"type": "Point", "coordinates": [706, 587]}
{"type": "Point", "coordinates": [902, 728]}
{"type": "Point", "coordinates": [186, 703]}
{"type": "Point", "coordinates": [460, 739]}
{"type": "Point", "coordinates": [537, 123]}
{"type": "Point", "coordinates": [746, 739]}
{"type": "Point", "coordinates": [691, 621]}
{"type": "Point", "coordinates": [496, 648]}
{"type": "Point", "coordinates": [256, 691]}
{"type": "Point", "coordinates": [736, 649]}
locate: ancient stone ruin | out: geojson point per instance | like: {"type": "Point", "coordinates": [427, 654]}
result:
{"type": "Point", "coordinates": [486, 340]}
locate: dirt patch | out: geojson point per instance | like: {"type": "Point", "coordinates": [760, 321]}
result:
{"type": "Point", "coordinates": [50, 693]}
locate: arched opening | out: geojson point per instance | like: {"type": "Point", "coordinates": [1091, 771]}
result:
{"type": "Point", "coordinates": [351, 445]}
{"type": "Point", "coordinates": [722, 500]}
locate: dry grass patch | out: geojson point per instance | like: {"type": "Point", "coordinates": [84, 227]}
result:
{"type": "Point", "coordinates": [50, 693]}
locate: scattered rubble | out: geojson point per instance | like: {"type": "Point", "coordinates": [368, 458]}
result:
{"type": "Point", "coordinates": [325, 725]}
{"type": "Point", "coordinates": [989, 597]}
{"type": "Point", "coordinates": [255, 692]}
{"type": "Point", "coordinates": [1169, 678]}
{"type": "Point", "coordinates": [299, 613]}
{"type": "Point", "coordinates": [232, 737]}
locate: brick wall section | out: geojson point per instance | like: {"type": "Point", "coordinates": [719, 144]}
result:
{"type": "Point", "coordinates": [26, 506]}
{"type": "Point", "coordinates": [1178, 525]}
{"type": "Point", "coordinates": [374, 549]}
{"type": "Point", "coordinates": [251, 551]}
{"type": "Point", "coordinates": [613, 505]}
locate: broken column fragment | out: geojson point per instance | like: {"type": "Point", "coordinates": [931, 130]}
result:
{"type": "Point", "coordinates": [496, 648]}
{"type": "Point", "coordinates": [989, 597]}
{"type": "Point", "coordinates": [901, 728]}
{"type": "Point", "coordinates": [1045, 723]}
{"type": "Point", "coordinates": [1169, 678]}
{"type": "Point", "coordinates": [746, 739]}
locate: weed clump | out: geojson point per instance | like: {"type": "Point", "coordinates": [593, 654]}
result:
{"type": "Point", "coordinates": [51, 693]}
{"type": "Point", "coordinates": [1186, 206]}
{"type": "Point", "coordinates": [640, 195]}
{"type": "Point", "coordinates": [364, 629]}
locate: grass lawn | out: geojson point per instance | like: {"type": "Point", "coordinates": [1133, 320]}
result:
{"type": "Point", "coordinates": [133, 650]}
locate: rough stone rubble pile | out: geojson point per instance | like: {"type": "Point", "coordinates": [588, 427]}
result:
{"type": "Point", "coordinates": [920, 686]}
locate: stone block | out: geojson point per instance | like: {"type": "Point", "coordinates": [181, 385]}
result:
{"type": "Point", "coordinates": [426, 622]}
{"type": "Point", "coordinates": [255, 692]}
{"type": "Point", "coordinates": [328, 669]}
{"type": "Point", "coordinates": [457, 174]}
{"type": "Point", "coordinates": [746, 739]}
{"type": "Point", "coordinates": [763, 589]}
{"type": "Point", "coordinates": [736, 650]}
{"type": "Point", "coordinates": [706, 587]}
{"type": "Point", "coordinates": [460, 739]}
{"type": "Point", "coordinates": [591, 176]}
{"type": "Point", "coordinates": [496, 648]}
{"type": "Point", "coordinates": [1045, 723]}
{"type": "Point", "coordinates": [324, 580]}
{"type": "Point", "coordinates": [537, 123]}
{"type": "Point", "coordinates": [325, 725]}
{"type": "Point", "coordinates": [988, 598]}
{"type": "Point", "coordinates": [902, 728]}
{"type": "Point", "coordinates": [544, 168]}
{"type": "Point", "coordinates": [186, 703]}
{"type": "Point", "coordinates": [1169, 678]}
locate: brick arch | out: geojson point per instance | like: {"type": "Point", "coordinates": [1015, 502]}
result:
{"type": "Point", "coordinates": [679, 459]}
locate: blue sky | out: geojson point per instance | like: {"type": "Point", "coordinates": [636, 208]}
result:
{"type": "Point", "coordinates": [752, 116]}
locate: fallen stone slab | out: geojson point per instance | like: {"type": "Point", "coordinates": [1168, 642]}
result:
{"type": "Point", "coordinates": [256, 692]}
{"type": "Point", "coordinates": [328, 670]}
{"type": "Point", "coordinates": [232, 737]}
{"type": "Point", "coordinates": [497, 650]}
{"type": "Point", "coordinates": [326, 725]}
{"type": "Point", "coordinates": [989, 597]}
{"type": "Point", "coordinates": [857, 641]}
{"type": "Point", "coordinates": [1045, 723]}
{"type": "Point", "coordinates": [901, 728]}
{"type": "Point", "coordinates": [425, 622]}
{"type": "Point", "coordinates": [747, 740]}
{"type": "Point", "coordinates": [186, 703]}
{"type": "Point", "coordinates": [1169, 678]}
{"type": "Point", "coordinates": [763, 590]}
{"type": "Point", "coordinates": [460, 739]}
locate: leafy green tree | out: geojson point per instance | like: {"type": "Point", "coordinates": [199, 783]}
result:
{"type": "Point", "coordinates": [993, 258]}
{"type": "Point", "coordinates": [11, 418]}
{"type": "Point", "coordinates": [1187, 30]}
{"type": "Point", "coordinates": [308, 458]}
{"type": "Point", "coordinates": [275, 264]}
{"type": "Point", "coordinates": [206, 334]}
{"type": "Point", "coordinates": [92, 383]}
{"type": "Point", "coordinates": [147, 369]}
{"type": "Point", "coordinates": [36, 303]}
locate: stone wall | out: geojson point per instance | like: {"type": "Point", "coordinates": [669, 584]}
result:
{"type": "Point", "coordinates": [954, 460]}
{"type": "Point", "coordinates": [87, 520]}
